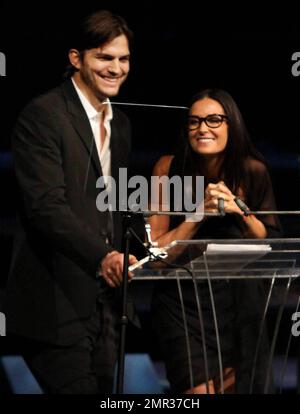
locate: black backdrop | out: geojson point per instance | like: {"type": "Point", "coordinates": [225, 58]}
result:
{"type": "Point", "coordinates": [179, 49]}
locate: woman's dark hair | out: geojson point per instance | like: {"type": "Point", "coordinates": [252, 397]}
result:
{"type": "Point", "coordinates": [96, 30]}
{"type": "Point", "coordinates": [239, 146]}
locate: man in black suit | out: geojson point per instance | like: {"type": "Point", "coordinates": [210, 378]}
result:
{"type": "Point", "coordinates": [62, 293]}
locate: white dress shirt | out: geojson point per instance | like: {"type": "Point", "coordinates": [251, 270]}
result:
{"type": "Point", "coordinates": [95, 117]}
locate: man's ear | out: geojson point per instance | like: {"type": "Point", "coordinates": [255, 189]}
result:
{"type": "Point", "coordinates": [75, 58]}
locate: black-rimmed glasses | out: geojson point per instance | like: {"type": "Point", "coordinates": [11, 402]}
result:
{"type": "Point", "coordinates": [212, 121]}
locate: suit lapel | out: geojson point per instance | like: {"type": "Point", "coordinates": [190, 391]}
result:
{"type": "Point", "coordinates": [81, 123]}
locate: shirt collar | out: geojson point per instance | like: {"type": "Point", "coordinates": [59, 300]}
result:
{"type": "Point", "coordinates": [88, 107]}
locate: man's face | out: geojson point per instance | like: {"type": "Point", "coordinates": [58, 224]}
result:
{"type": "Point", "coordinates": [101, 71]}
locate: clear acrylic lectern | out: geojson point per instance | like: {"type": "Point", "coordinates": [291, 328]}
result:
{"type": "Point", "coordinates": [273, 263]}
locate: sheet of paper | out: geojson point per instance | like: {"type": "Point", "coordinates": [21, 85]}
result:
{"type": "Point", "coordinates": [234, 248]}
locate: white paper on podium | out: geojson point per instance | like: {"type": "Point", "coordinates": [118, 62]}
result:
{"type": "Point", "coordinates": [235, 248]}
{"type": "Point", "coordinates": [234, 257]}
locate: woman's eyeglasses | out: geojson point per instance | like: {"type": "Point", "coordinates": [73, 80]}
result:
{"type": "Point", "coordinates": [212, 121]}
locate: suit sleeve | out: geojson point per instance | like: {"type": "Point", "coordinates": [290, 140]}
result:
{"type": "Point", "coordinates": [40, 175]}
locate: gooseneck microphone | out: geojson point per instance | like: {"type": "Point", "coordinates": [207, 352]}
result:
{"type": "Point", "coordinates": [221, 207]}
{"type": "Point", "coordinates": [242, 206]}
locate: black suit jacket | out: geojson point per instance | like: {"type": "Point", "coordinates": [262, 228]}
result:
{"type": "Point", "coordinates": [52, 285]}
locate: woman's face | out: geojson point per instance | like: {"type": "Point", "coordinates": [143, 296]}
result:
{"type": "Point", "coordinates": [204, 139]}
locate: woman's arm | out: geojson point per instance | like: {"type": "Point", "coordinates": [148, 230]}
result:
{"type": "Point", "coordinates": [160, 224]}
{"type": "Point", "coordinates": [253, 228]}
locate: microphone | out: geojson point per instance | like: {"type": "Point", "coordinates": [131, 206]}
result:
{"type": "Point", "coordinates": [242, 206]}
{"type": "Point", "coordinates": [221, 207]}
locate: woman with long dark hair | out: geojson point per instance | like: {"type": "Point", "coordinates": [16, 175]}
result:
{"type": "Point", "coordinates": [217, 147]}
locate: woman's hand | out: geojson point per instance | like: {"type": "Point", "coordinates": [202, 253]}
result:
{"type": "Point", "coordinates": [214, 192]}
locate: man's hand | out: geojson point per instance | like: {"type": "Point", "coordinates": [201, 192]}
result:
{"type": "Point", "coordinates": [112, 268]}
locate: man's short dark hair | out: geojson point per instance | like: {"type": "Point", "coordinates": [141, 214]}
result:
{"type": "Point", "coordinates": [96, 30]}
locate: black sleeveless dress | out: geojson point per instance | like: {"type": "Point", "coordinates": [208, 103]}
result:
{"type": "Point", "coordinates": [239, 305]}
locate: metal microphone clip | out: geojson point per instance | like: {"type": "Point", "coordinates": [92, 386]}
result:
{"type": "Point", "coordinates": [149, 242]}
{"type": "Point", "coordinates": [154, 252]}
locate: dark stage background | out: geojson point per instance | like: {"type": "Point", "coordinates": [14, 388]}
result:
{"type": "Point", "coordinates": [178, 50]}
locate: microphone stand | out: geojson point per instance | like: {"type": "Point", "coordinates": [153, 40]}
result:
{"type": "Point", "coordinates": [158, 252]}
{"type": "Point", "coordinates": [124, 318]}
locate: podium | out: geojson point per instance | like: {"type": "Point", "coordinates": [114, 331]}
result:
{"type": "Point", "coordinates": [272, 265]}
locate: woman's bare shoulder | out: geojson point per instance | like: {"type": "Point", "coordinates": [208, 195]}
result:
{"type": "Point", "coordinates": [255, 166]}
{"type": "Point", "coordinates": [162, 166]}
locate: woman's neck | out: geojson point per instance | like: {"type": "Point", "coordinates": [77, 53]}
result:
{"type": "Point", "coordinates": [211, 166]}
